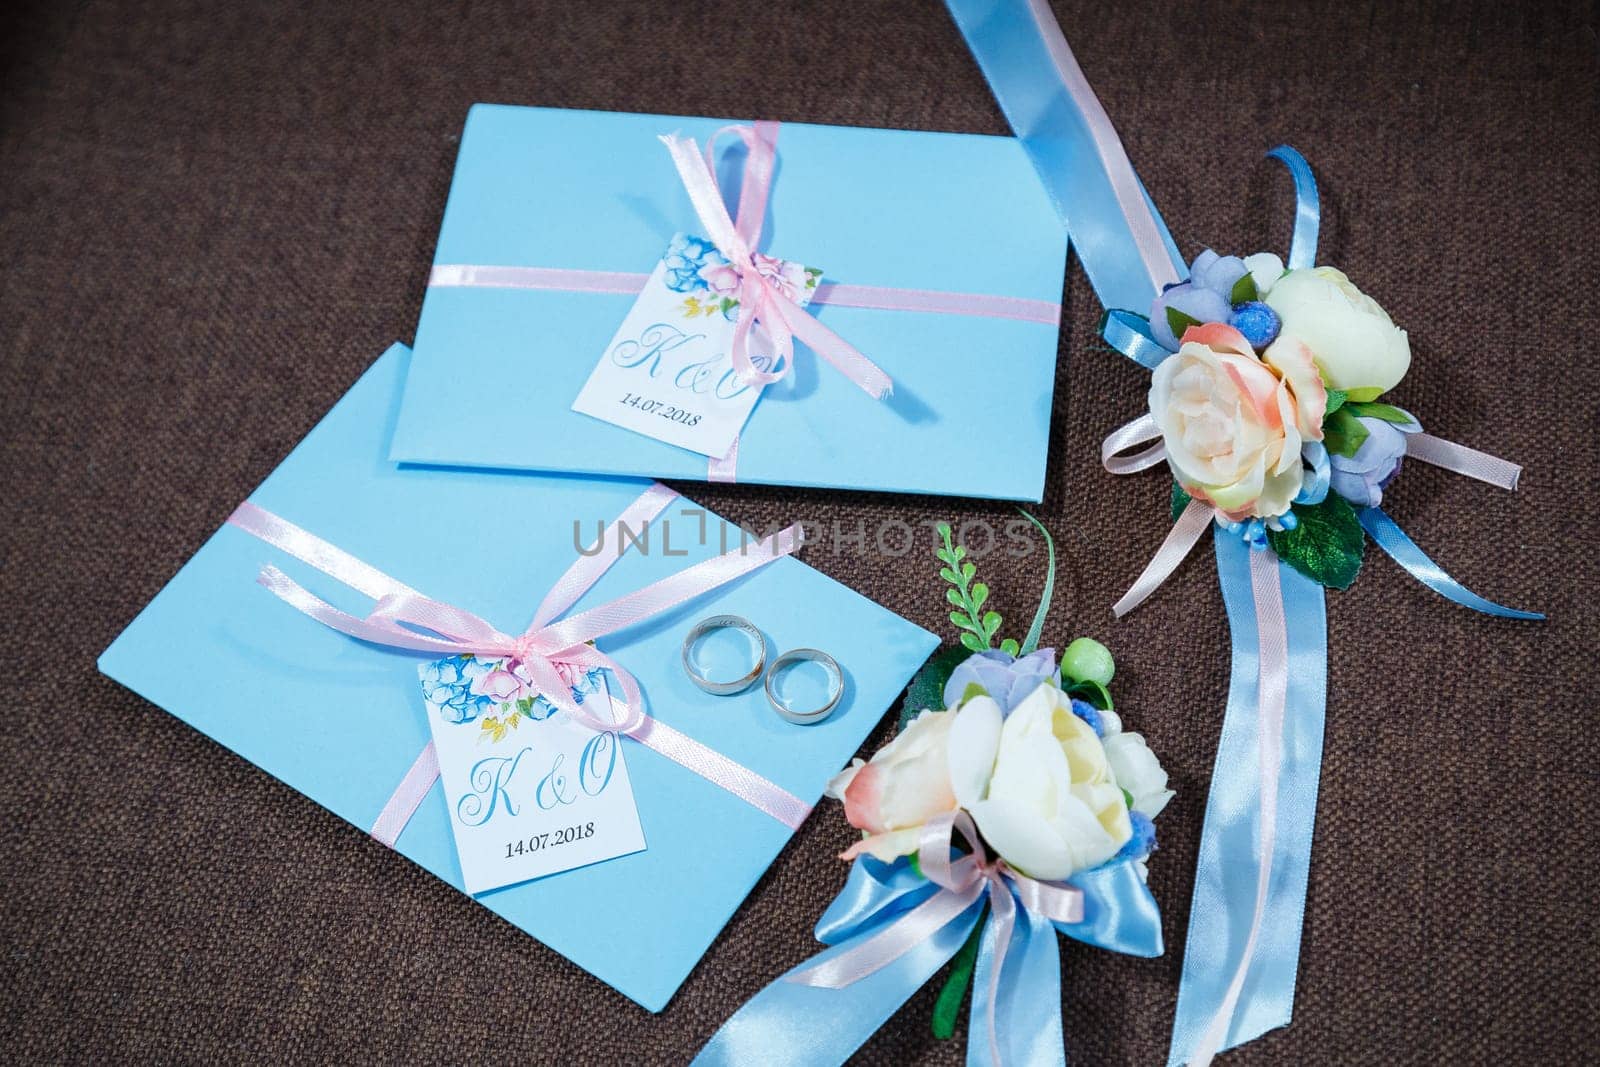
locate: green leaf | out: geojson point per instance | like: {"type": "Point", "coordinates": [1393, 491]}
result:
{"type": "Point", "coordinates": [1180, 501]}
{"type": "Point", "coordinates": [954, 596]}
{"type": "Point", "coordinates": [1010, 647]}
{"type": "Point", "coordinates": [948, 1007]}
{"type": "Point", "coordinates": [1180, 322]}
{"type": "Point", "coordinates": [1092, 693]}
{"type": "Point", "coordinates": [1244, 290]}
{"type": "Point", "coordinates": [973, 689]}
{"type": "Point", "coordinates": [1127, 798]}
{"type": "Point", "coordinates": [1031, 642]}
{"type": "Point", "coordinates": [967, 569]}
{"type": "Point", "coordinates": [963, 622]}
{"type": "Point", "coordinates": [980, 594]}
{"type": "Point", "coordinates": [926, 691]}
{"type": "Point", "coordinates": [1343, 433]}
{"type": "Point", "coordinates": [1336, 400]}
{"type": "Point", "coordinates": [949, 575]}
{"type": "Point", "coordinates": [1326, 546]}
{"type": "Point", "coordinates": [1386, 412]}
{"type": "Point", "coordinates": [1361, 396]}
{"type": "Point", "coordinates": [974, 642]}
{"type": "Point", "coordinates": [991, 623]}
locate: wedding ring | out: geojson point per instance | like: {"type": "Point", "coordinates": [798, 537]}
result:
{"type": "Point", "coordinates": [805, 716]}
{"type": "Point", "coordinates": [706, 627]}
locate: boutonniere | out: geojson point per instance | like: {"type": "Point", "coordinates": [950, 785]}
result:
{"type": "Point", "coordinates": [1013, 805]}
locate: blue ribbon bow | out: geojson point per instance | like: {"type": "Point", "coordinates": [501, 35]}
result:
{"type": "Point", "coordinates": [789, 1024]}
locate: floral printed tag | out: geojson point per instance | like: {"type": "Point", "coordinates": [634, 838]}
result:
{"type": "Point", "coordinates": [667, 373]}
{"type": "Point", "coordinates": [530, 791]}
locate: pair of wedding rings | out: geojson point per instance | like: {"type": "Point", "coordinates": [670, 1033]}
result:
{"type": "Point", "coordinates": [806, 714]}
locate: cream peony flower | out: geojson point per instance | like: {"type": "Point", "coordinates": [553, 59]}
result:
{"type": "Point", "coordinates": [1233, 423]}
{"type": "Point", "coordinates": [1053, 805]}
{"type": "Point", "coordinates": [1357, 347]}
{"type": "Point", "coordinates": [906, 783]}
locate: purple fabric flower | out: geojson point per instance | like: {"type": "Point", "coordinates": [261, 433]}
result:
{"type": "Point", "coordinates": [1362, 478]}
{"type": "Point", "coordinates": [1206, 297]}
{"type": "Point", "coordinates": [1006, 678]}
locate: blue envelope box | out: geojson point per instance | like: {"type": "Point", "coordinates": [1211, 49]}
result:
{"type": "Point", "coordinates": [597, 192]}
{"type": "Point", "coordinates": [342, 720]}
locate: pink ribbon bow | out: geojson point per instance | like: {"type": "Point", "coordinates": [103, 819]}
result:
{"type": "Point", "coordinates": [961, 882]}
{"type": "Point", "coordinates": [551, 652]}
{"type": "Point", "coordinates": [759, 299]}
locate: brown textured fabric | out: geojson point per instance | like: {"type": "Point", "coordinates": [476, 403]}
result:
{"type": "Point", "coordinates": [213, 216]}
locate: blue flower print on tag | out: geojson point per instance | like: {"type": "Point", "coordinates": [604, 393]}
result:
{"type": "Point", "coordinates": [495, 694]}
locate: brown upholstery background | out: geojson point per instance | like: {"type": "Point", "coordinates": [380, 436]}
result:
{"type": "Point", "coordinates": [212, 216]}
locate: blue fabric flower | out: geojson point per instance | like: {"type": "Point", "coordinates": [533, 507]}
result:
{"type": "Point", "coordinates": [1143, 841]}
{"type": "Point", "coordinates": [1362, 478]}
{"type": "Point", "coordinates": [1089, 714]}
{"type": "Point", "coordinates": [1006, 678]}
{"type": "Point", "coordinates": [684, 259]}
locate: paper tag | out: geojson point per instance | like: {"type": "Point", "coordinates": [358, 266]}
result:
{"type": "Point", "coordinates": [531, 792]}
{"type": "Point", "coordinates": [667, 373]}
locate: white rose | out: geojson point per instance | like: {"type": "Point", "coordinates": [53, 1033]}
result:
{"type": "Point", "coordinates": [906, 783]}
{"type": "Point", "coordinates": [1355, 344]}
{"type": "Point", "coordinates": [1135, 767]}
{"type": "Point", "coordinates": [1052, 805]}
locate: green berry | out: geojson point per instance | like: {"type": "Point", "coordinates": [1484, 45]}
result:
{"type": "Point", "coordinates": [1087, 660]}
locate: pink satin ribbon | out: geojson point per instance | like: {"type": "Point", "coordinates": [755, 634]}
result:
{"type": "Point", "coordinates": [1185, 533]}
{"type": "Point", "coordinates": [1460, 459]}
{"type": "Point", "coordinates": [961, 882]}
{"type": "Point", "coordinates": [826, 294]}
{"type": "Point", "coordinates": [760, 300]}
{"type": "Point", "coordinates": [405, 618]}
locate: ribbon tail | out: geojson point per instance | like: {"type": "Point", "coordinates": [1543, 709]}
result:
{"type": "Point", "coordinates": [408, 796]}
{"type": "Point", "coordinates": [1227, 877]}
{"type": "Point", "coordinates": [1179, 543]}
{"type": "Point", "coordinates": [1027, 1009]}
{"type": "Point", "coordinates": [1469, 462]}
{"type": "Point", "coordinates": [841, 353]}
{"type": "Point", "coordinates": [1416, 563]}
{"type": "Point", "coordinates": [794, 1024]}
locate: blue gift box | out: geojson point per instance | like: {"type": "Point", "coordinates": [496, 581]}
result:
{"type": "Point", "coordinates": [596, 191]}
{"type": "Point", "coordinates": [341, 720]}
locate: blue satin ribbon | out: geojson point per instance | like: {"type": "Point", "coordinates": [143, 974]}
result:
{"type": "Point", "coordinates": [1225, 876]}
{"type": "Point", "coordinates": [1404, 551]}
{"type": "Point", "coordinates": [1006, 42]}
{"type": "Point", "coordinates": [1314, 490]}
{"type": "Point", "coordinates": [1307, 208]}
{"type": "Point", "coordinates": [788, 1024]}
{"type": "Point", "coordinates": [1130, 334]}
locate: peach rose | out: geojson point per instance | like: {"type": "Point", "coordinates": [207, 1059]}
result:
{"type": "Point", "coordinates": [1234, 423]}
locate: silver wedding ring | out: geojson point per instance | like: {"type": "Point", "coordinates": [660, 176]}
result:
{"type": "Point", "coordinates": [805, 716]}
{"type": "Point", "coordinates": [725, 622]}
